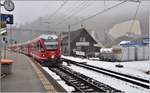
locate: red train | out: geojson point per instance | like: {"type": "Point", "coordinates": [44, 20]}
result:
{"type": "Point", "coordinates": [46, 49]}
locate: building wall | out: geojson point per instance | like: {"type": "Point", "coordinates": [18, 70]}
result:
{"type": "Point", "coordinates": [84, 36]}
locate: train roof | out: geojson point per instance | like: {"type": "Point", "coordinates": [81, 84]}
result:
{"type": "Point", "coordinates": [50, 36]}
{"type": "Point", "coordinates": [44, 36]}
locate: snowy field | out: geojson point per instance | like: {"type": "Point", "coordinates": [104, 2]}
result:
{"type": "Point", "coordinates": [134, 68]}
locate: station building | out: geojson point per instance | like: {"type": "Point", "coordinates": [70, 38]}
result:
{"type": "Point", "coordinates": [81, 43]}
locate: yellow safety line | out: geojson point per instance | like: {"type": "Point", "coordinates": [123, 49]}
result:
{"type": "Point", "coordinates": [47, 85]}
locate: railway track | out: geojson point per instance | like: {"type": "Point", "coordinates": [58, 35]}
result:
{"type": "Point", "coordinates": [131, 79]}
{"type": "Point", "coordinates": [82, 83]}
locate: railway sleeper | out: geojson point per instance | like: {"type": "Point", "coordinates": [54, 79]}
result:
{"type": "Point", "coordinates": [81, 82]}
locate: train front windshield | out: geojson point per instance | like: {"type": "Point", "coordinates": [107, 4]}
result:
{"type": "Point", "coordinates": [51, 44]}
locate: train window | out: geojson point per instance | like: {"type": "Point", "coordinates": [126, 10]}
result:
{"type": "Point", "coordinates": [51, 45]}
{"type": "Point", "coordinates": [42, 49]}
{"type": "Point", "coordinates": [50, 40]}
{"type": "Point", "coordinates": [39, 47]}
{"type": "Point", "coordinates": [36, 46]}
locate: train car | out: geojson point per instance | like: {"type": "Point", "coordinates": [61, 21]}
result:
{"type": "Point", "coordinates": [12, 48]}
{"type": "Point", "coordinates": [46, 49]}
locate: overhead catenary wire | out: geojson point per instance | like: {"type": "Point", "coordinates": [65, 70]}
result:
{"type": "Point", "coordinates": [75, 13]}
{"type": "Point", "coordinates": [79, 12]}
{"type": "Point", "coordinates": [55, 13]}
{"type": "Point", "coordinates": [134, 17]}
{"type": "Point", "coordinates": [68, 11]}
{"type": "Point", "coordinates": [101, 12]}
{"type": "Point", "coordinates": [58, 9]}
{"type": "Point", "coordinates": [76, 9]}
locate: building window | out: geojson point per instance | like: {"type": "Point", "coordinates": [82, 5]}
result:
{"type": "Point", "coordinates": [82, 39]}
{"type": "Point", "coordinates": [79, 48]}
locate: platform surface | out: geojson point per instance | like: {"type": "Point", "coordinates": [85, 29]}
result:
{"type": "Point", "coordinates": [23, 77]}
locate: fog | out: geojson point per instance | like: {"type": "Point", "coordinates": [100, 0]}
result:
{"type": "Point", "coordinates": [41, 16]}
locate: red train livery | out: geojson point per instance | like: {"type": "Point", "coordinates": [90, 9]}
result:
{"type": "Point", "coordinates": [46, 49]}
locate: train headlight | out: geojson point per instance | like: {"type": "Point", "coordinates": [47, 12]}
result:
{"type": "Point", "coordinates": [52, 56]}
{"type": "Point", "coordinates": [43, 55]}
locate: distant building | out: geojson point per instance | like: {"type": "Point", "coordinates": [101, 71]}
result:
{"type": "Point", "coordinates": [80, 41]}
{"type": "Point", "coordinates": [142, 41]}
{"type": "Point", "coordinates": [125, 28]}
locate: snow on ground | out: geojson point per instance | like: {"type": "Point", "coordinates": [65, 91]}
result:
{"type": "Point", "coordinates": [113, 82]}
{"type": "Point", "coordinates": [134, 68]}
{"type": "Point", "coordinates": [75, 58]}
{"type": "Point", "coordinates": [59, 80]}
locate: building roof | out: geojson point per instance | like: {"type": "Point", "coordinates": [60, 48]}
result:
{"type": "Point", "coordinates": [74, 34]}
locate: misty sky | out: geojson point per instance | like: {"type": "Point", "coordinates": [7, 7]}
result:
{"type": "Point", "coordinates": [27, 11]}
{"type": "Point", "coordinates": [60, 14]}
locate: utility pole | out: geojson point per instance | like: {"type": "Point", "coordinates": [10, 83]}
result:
{"type": "Point", "coordinates": [68, 63]}
{"type": "Point", "coordinates": [68, 40]}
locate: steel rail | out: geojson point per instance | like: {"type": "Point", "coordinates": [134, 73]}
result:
{"type": "Point", "coordinates": [81, 82]}
{"type": "Point", "coordinates": [131, 79]}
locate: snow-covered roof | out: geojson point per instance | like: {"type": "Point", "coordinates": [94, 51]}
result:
{"type": "Point", "coordinates": [124, 42]}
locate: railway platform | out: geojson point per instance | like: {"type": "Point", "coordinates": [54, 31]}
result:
{"type": "Point", "coordinates": [25, 76]}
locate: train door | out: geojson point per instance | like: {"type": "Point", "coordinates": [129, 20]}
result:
{"type": "Point", "coordinates": [39, 49]}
